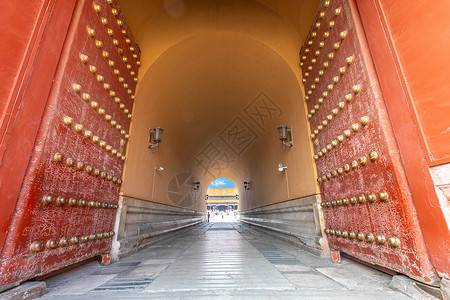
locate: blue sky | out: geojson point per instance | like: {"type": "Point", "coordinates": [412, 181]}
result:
{"type": "Point", "coordinates": [222, 182]}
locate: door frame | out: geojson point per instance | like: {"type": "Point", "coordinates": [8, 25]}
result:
{"type": "Point", "coordinates": [412, 154]}
{"type": "Point", "coordinates": [28, 102]}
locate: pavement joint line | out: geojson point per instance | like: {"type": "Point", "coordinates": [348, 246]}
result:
{"type": "Point", "coordinates": [210, 260]}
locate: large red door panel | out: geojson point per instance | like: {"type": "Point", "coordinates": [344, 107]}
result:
{"type": "Point", "coordinates": [423, 68]}
{"type": "Point", "coordinates": [25, 107]}
{"type": "Point", "coordinates": [395, 90]}
{"type": "Point", "coordinates": [367, 205]}
{"type": "Point", "coordinates": [66, 209]}
{"type": "Point", "coordinates": [19, 43]}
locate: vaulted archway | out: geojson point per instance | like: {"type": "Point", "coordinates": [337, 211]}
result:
{"type": "Point", "coordinates": [93, 77]}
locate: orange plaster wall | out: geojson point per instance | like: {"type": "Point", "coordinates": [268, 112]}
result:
{"type": "Point", "coordinates": [194, 90]}
{"type": "Point", "coordinates": [200, 69]}
{"type": "Point", "coordinates": [421, 37]}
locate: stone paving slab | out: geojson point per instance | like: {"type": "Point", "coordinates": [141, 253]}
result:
{"type": "Point", "coordinates": [82, 285]}
{"type": "Point", "coordinates": [25, 291]}
{"type": "Point", "coordinates": [68, 276]}
{"type": "Point", "coordinates": [222, 261]}
{"type": "Point", "coordinates": [248, 294]}
{"type": "Point", "coordinates": [347, 278]}
{"type": "Point", "coordinates": [147, 271]}
{"type": "Point", "coordinates": [312, 280]}
{"type": "Point", "coordinates": [292, 268]}
{"type": "Point", "coordinates": [157, 261]}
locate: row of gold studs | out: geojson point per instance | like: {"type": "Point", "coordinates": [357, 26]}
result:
{"type": "Point", "coordinates": [342, 70]}
{"type": "Point", "coordinates": [317, 52]}
{"type": "Point", "coordinates": [321, 44]}
{"type": "Point", "coordinates": [329, 117]}
{"type": "Point", "coordinates": [313, 85]}
{"type": "Point", "coordinates": [335, 80]}
{"type": "Point", "coordinates": [383, 196]}
{"type": "Point", "coordinates": [348, 97]}
{"type": "Point", "coordinates": [80, 166]}
{"type": "Point", "coordinates": [115, 12]}
{"type": "Point", "coordinates": [106, 86]}
{"type": "Point", "coordinates": [325, 65]}
{"type": "Point", "coordinates": [356, 89]}
{"type": "Point", "coordinates": [340, 138]}
{"type": "Point", "coordinates": [86, 97]}
{"type": "Point", "coordinates": [369, 237]}
{"type": "Point", "coordinates": [61, 200]}
{"type": "Point", "coordinates": [325, 122]}
{"type": "Point", "coordinates": [128, 41]}
{"type": "Point", "coordinates": [322, 13]}
{"type": "Point", "coordinates": [317, 25]}
{"type": "Point", "coordinates": [115, 41]}
{"type": "Point", "coordinates": [38, 246]}
{"type": "Point", "coordinates": [321, 72]}
{"type": "Point", "coordinates": [95, 139]}
{"type": "Point", "coordinates": [110, 32]}
{"type": "Point", "coordinates": [105, 54]}
{"type": "Point", "coordinates": [111, 63]}
{"type": "Point", "coordinates": [330, 55]}
{"type": "Point", "coordinates": [373, 156]}
{"type": "Point", "coordinates": [120, 23]}
{"type": "Point", "coordinates": [85, 59]}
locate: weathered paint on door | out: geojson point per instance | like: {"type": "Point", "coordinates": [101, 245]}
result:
{"type": "Point", "coordinates": [67, 205]}
{"type": "Point", "coordinates": [367, 204]}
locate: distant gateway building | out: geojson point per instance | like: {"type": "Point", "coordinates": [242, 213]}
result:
{"type": "Point", "coordinates": [222, 199]}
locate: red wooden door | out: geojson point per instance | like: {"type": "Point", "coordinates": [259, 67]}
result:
{"type": "Point", "coordinates": [67, 205]}
{"type": "Point", "coordinates": [367, 204]}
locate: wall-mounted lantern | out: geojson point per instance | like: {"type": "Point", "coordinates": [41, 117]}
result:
{"type": "Point", "coordinates": [197, 186]}
{"type": "Point", "coordinates": [246, 185]}
{"type": "Point", "coordinates": [281, 168]}
{"type": "Point", "coordinates": [155, 137]}
{"type": "Point", "coordinates": [285, 135]}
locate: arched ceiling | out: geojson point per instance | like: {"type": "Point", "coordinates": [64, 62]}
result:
{"type": "Point", "coordinates": [297, 13]}
{"type": "Point", "coordinates": [158, 25]}
{"type": "Point", "coordinates": [211, 70]}
{"type": "Point", "coordinates": [204, 92]}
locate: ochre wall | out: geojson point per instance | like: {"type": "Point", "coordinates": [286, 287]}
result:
{"type": "Point", "coordinates": [200, 70]}
{"type": "Point", "coordinates": [421, 41]}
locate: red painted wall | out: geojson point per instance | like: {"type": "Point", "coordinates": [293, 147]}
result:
{"type": "Point", "coordinates": [421, 38]}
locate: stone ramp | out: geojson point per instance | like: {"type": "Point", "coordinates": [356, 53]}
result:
{"type": "Point", "coordinates": [224, 261]}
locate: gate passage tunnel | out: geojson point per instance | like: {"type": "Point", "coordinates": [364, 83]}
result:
{"type": "Point", "coordinates": [219, 81]}
{"type": "Point", "coordinates": [314, 109]}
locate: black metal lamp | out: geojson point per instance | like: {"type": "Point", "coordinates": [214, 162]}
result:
{"type": "Point", "coordinates": [155, 137]}
{"type": "Point", "coordinates": [285, 135]}
{"type": "Point", "coordinates": [246, 185]}
{"type": "Point", "coordinates": [197, 186]}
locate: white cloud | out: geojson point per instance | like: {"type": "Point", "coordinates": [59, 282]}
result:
{"type": "Point", "coordinates": [218, 182]}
